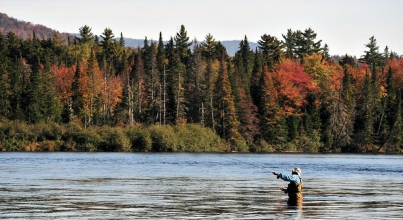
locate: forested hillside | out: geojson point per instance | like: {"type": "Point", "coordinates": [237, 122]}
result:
{"type": "Point", "coordinates": [287, 95]}
{"type": "Point", "coordinates": [25, 30]}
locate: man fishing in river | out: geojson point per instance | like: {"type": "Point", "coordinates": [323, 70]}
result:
{"type": "Point", "coordinates": [294, 189]}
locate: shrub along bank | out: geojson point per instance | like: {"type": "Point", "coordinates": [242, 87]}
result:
{"type": "Point", "coordinates": [18, 136]}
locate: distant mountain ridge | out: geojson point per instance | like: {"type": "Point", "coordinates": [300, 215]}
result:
{"type": "Point", "coordinates": [24, 30]}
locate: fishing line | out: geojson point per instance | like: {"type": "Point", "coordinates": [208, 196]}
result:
{"type": "Point", "coordinates": [250, 164]}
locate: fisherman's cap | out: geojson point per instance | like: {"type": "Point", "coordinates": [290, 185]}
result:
{"type": "Point", "coordinates": [296, 170]}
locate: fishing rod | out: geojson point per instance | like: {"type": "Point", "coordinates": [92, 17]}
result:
{"type": "Point", "coordinates": [250, 164]}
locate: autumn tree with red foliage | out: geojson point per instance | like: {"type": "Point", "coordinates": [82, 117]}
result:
{"type": "Point", "coordinates": [292, 85]}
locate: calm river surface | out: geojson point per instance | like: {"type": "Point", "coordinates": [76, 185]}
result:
{"type": "Point", "coordinates": [197, 186]}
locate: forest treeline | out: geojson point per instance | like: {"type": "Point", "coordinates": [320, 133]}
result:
{"type": "Point", "coordinates": [92, 93]}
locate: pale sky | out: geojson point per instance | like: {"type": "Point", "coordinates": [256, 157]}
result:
{"type": "Point", "coordinates": [345, 25]}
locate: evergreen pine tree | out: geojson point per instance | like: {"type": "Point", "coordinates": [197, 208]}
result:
{"type": "Point", "coordinates": [209, 47]}
{"type": "Point", "coordinates": [5, 89]}
{"type": "Point", "coordinates": [227, 120]}
{"type": "Point", "coordinates": [271, 48]}
{"type": "Point", "coordinates": [196, 87]}
{"type": "Point", "coordinates": [86, 35]}
{"type": "Point", "coordinates": [162, 65]}
{"type": "Point", "coordinates": [77, 98]}
{"type": "Point", "coordinates": [121, 40]}
{"type": "Point", "coordinates": [33, 110]}
{"type": "Point", "coordinates": [255, 78]}
{"type": "Point", "coordinates": [364, 123]}
{"type": "Point", "coordinates": [289, 44]}
{"type": "Point", "coordinates": [182, 45]}
{"type": "Point", "coordinates": [273, 127]}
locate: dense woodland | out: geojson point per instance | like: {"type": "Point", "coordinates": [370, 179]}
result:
{"type": "Point", "coordinates": [92, 93]}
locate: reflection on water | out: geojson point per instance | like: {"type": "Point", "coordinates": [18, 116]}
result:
{"type": "Point", "coordinates": [194, 186]}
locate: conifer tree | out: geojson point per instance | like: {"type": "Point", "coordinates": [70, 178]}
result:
{"type": "Point", "coordinates": [209, 46]}
{"type": "Point", "coordinates": [95, 98]}
{"type": "Point", "coordinates": [153, 83]}
{"type": "Point", "coordinates": [395, 141]}
{"type": "Point", "coordinates": [372, 56]}
{"type": "Point", "coordinates": [33, 93]}
{"type": "Point", "coordinates": [310, 46]}
{"type": "Point", "coordinates": [325, 53]}
{"type": "Point", "coordinates": [255, 78]}
{"type": "Point", "coordinates": [140, 90]}
{"type": "Point", "coordinates": [196, 87]}
{"type": "Point", "coordinates": [13, 46]}
{"type": "Point", "coordinates": [227, 120]}
{"type": "Point", "coordinates": [244, 62]}
{"type": "Point", "coordinates": [339, 124]}
{"type": "Point", "coordinates": [161, 55]}
{"type": "Point", "coordinates": [305, 43]}
{"type": "Point", "coordinates": [349, 100]}
{"type": "Point", "coordinates": [17, 86]}
{"type": "Point", "coordinates": [273, 128]}
{"type": "Point", "coordinates": [108, 39]}
{"type": "Point", "coordinates": [271, 48]}
{"type": "Point", "coordinates": [121, 40]}
{"type": "Point", "coordinates": [86, 35]}
{"type": "Point", "coordinates": [375, 61]}
{"type": "Point", "coordinates": [182, 44]}
{"type": "Point", "coordinates": [78, 102]}
{"type": "Point", "coordinates": [289, 44]}
{"type": "Point", "coordinates": [364, 123]}
{"type": "Point", "coordinates": [51, 106]}
{"type": "Point", "coordinates": [162, 66]}
{"type": "Point", "coordinates": [5, 89]}
{"type": "Point", "coordinates": [178, 103]}
{"type": "Point", "coordinates": [389, 117]}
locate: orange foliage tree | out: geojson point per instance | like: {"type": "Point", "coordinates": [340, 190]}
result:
{"type": "Point", "coordinates": [64, 79]}
{"type": "Point", "coordinates": [292, 84]}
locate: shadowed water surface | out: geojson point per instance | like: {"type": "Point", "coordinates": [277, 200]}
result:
{"type": "Point", "coordinates": [197, 186]}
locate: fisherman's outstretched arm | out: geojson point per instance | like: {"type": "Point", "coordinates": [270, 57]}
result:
{"type": "Point", "coordinates": [287, 177]}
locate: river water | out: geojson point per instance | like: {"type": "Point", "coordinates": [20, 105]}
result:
{"type": "Point", "coordinates": [197, 186]}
